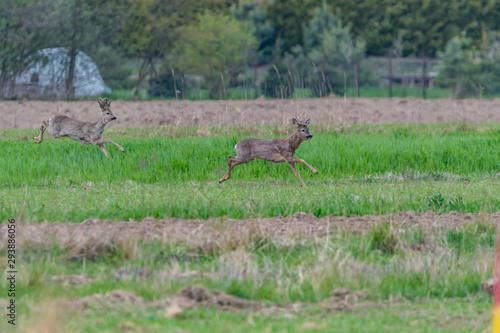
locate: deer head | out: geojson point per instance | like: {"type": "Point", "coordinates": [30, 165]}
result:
{"type": "Point", "coordinates": [106, 113]}
{"type": "Point", "coordinates": [302, 130]}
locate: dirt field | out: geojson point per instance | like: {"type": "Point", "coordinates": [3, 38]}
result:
{"type": "Point", "coordinates": [214, 232]}
{"type": "Point", "coordinates": [28, 114]}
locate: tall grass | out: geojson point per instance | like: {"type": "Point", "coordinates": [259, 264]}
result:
{"type": "Point", "coordinates": [259, 267]}
{"type": "Point", "coordinates": [447, 276]}
{"type": "Point", "coordinates": [173, 172]}
{"type": "Point", "coordinates": [335, 155]}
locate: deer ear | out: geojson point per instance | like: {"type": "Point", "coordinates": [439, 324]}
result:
{"type": "Point", "coordinates": [307, 122]}
{"type": "Point", "coordinates": [295, 122]}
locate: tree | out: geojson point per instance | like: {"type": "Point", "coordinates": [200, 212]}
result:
{"type": "Point", "coordinates": [425, 25]}
{"type": "Point", "coordinates": [288, 17]}
{"type": "Point", "coordinates": [329, 43]}
{"type": "Point", "coordinates": [149, 29]}
{"type": "Point", "coordinates": [214, 47]}
{"type": "Point", "coordinates": [257, 17]}
{"type": "Point", "coordinates": [469, 70]}
{"type": "Point", "coordinates": [32, 25]}
{"type": "Point", "coordinates": [323, 20]}
{"type": "Point", "coordinates": [21, 37]}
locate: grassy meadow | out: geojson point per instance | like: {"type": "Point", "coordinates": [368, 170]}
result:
{"type": "Point", "coordinates": [174, 172]}
{"type": "Point", "coordinates": [419, 279]}
{"type": "Point", "coordinates": [436, 288]}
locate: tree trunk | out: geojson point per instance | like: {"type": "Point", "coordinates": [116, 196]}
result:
{"type": "Point", "coordinates": [290, 78]}
{"type": "Point", "coordinates": [356, 77]}
{"type": "Point", "coordinates": [184, 91]}
{"type": "Point", "coordinates": [3, 70]}
{"type": "Point", "coordinates": [323, 79]}
{"type": "Point", "coordinates": [389, 59]}
{"type": "Point", "coordinates": [255, 77]}
{"type": "Point", "coordinates": [222, 89]}
{"type": "Point", "coordinates": [424, 67]}
{"type": "Point", "coordinates": [403, 79]}
{"type": "Point", "coordinates": [458, 88]}
{"type": "Point", "coordinates": [142, 74]}
{"type": "Point", "coordinates": [73, 51]}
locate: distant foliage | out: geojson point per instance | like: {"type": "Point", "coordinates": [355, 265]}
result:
{"type": "Point", "coordinates": [325, 65]}
{"type": "Point", "coordinates": [469, 70]}
{"type": "Point", "coordinates": [257, 17]}
{"type": "Point", "coordinates": [289, 17]}
{"type": "Point", "coordinates": [316, 42]}
{"type": "Point", "coordinates": [215, 48]}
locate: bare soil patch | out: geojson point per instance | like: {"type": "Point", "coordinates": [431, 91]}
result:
{"type": "Point", "coordinates": [194, 296]}
{"type": "Point", "coordinates": [91, 236]}
{"type": "Point", "coordinates": [190, 297]}
{"type": "Point", "coordinates": [333, 110]}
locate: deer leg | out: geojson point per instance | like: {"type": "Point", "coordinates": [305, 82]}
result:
{"type": "Point", "coordinates": [299, 160]}
{"type": "Point", "coordinates": [43, 127]}
{"type": "Point", "coordinates": [104, 150]}
{"type": "Point", "coordinates": [292, 165]}
{"type": "Point", "coordinates": [231, 163]}
{"type": "Point", "coordinates": [100, 142]}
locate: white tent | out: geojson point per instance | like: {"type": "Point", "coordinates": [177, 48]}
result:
{"type": "Point", "coordinates": [46, 76]}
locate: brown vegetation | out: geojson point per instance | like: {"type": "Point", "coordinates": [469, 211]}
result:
{"type": "Point", "coordinates": [93, 238]}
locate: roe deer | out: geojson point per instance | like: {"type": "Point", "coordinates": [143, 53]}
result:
{"type": "Point", "coordinates": [274, 150]}
{"type": "Point", "coordinates": [86, 133]}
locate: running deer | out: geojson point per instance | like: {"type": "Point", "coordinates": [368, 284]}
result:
{"type": "Point", "coordinates": [86, 133]}
{"type": "Point", "coordinates": [273, 150]}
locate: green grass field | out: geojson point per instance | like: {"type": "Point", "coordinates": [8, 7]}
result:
{"type": "Point", "coordinates": [362, 170]}
{"type": "Point", "coordinates": [360, 153]}
{"type": "Point", "coordinates": [419, 279]}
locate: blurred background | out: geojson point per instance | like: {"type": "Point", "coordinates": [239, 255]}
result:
{"type": "Point", "coordinates": [231, 49]}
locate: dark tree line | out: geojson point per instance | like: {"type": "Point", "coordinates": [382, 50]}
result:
{"type": "Point", "coordinates": [316, 44]}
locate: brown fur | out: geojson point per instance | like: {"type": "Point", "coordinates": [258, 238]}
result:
{"type": "Point", "coordinates": [273, 150]}
{"type": "Point", "coordinates": [85, 132]}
